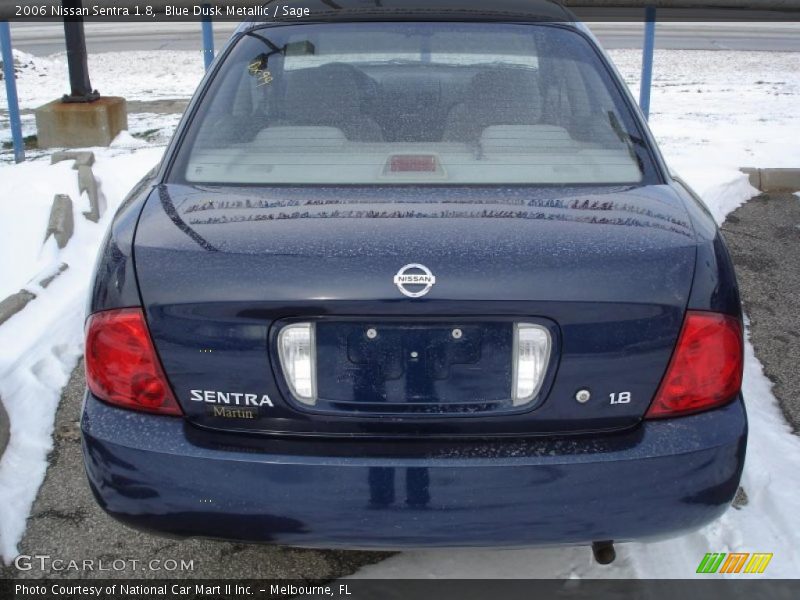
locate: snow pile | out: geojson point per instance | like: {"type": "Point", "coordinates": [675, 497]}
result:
{"type": "Point", "coordinates": [24, 62]}
{"type": "Point", "coordinates": [25, 202]}
{"type": "Point", "coordinates": [728, 189]}
{"type": "Point", "coordinates": [40, 346]}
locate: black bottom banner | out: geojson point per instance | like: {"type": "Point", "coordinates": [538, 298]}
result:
{"type": "Point", "coordinates": [399, 589]}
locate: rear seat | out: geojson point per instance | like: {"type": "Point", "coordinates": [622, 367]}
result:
{"type": "Point", "coordinates": [495, 98]}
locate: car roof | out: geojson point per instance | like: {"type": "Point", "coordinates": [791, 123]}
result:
{"type": "Point", "coordinates": [416, 10]}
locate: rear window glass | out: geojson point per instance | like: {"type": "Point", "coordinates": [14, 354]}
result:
{"type": "Point", "coordinates": [388, 103]}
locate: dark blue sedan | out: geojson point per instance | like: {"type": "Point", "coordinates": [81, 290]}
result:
{"type": "Point", "coordinates": [414, 276]}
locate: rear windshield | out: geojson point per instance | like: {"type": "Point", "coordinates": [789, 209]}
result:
{"type": "Point", "coordinates": [421, 103]}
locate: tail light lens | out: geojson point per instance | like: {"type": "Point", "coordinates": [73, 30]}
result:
{"type": "Point", "coordinates": [121, 364]}
{"type": "Point", "coordinates": [297, 352]}
{"type": "Point", "coordinates": [531, 355]}
{"type": "Point", "coordinates": [706, 368]}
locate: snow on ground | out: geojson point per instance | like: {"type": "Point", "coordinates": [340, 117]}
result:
{"type": "Point", "coordinates": [26, 201]}
{"type": "Point", "coordinates": [40, 346]}
{"type": "Point", "coordinates": [735, 108]}
{"type": "Point", "coordinates": [712, 113]}
{"type": "Point", "coordinates": [141, 75]}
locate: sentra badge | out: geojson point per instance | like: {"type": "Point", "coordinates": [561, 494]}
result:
{"type": "Point", "coordinates": [414, 280]}
{"type": "Point", "coordinates": [231, 398]}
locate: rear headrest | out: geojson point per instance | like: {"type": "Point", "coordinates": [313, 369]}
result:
{"type": "Point", "coordinates": [322, 93]}
{"type": "Point", "coordinates": [514, 94]}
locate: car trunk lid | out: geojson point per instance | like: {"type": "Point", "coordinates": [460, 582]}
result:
{"type": "Point", "coordinates": [606, 270]}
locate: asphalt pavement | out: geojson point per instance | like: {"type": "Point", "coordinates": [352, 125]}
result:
{"type": "Point", "coordinates": [764, 239]}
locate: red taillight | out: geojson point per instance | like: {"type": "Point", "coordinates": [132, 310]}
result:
{"type": "Point", "coordinates": [121, 364]}
{"type": "Point", "coordinates": [413, 162]}
{"type": "Point", "coordinates": [706, 367]}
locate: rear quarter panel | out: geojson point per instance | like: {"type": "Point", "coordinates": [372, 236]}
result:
{"type": "Point", "coordinates": [714, 285]}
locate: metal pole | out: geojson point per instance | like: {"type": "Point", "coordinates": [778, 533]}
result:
{"type": "Point", "coordinates": [647, 59]}
{"type": "Point", "coordinates": [11, 91]}
{"type": "Point", "coordinates": [208, 41]}
{"type": "Point", "coordinates": [80, 86]}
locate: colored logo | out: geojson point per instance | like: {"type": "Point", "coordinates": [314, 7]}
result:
{"type": "Point", "coordinates": [735, 562]}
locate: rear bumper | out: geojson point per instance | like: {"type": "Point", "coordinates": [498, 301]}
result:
{"type": "Point", "coordinates": [665, 478]}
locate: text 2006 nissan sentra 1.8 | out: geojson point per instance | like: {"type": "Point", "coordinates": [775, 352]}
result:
{"type": "Point", "coordinates": [410, 279]}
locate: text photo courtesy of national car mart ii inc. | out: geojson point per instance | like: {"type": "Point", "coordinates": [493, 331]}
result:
{"type": "Point", "coordinates": [178, 590]}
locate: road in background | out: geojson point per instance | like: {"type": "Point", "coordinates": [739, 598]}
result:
{"type": "Point", "coordinates": [777, 37]}
{"type": "Point", "coordinates": [43, 39]}
{"type": "Point", "coordinates": [47, 38]}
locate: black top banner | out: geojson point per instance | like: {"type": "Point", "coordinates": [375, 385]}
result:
{"type": "Point", "coordinates": [379, 10]}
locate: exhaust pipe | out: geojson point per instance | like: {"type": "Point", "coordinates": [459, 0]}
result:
{"type": "Point", "coordinates": [604, 552]}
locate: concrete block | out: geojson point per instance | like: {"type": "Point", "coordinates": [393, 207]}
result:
{"type": "Point", "coordinates": [87, 183]}
{"type": "Point", "coordinates": [52, 277]}
{"type": "Point", "coordinates": [61, 225]}
{"type": "Point", "coordinates": [80, 124]}
{"type": "Point", "coordinates": [14, 303]}
{"type": "Point", "coordinates": [780, 180]}
{"type": "Point", "coordinates": [773, 180]}
{"type": "Point", "coordinates": [5, 428]}
{"type": "Point", "coordinates": [82, 158]}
